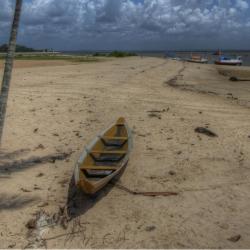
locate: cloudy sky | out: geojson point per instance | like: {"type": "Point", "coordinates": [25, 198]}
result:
{"type": "Point", "coordinates": [130, 24]}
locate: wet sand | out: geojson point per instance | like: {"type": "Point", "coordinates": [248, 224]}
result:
{"type": "Point", "coordinates": [58, 109]}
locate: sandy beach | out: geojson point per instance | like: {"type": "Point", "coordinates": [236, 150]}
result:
{"type": "Point", "coordinates": [57, 107]}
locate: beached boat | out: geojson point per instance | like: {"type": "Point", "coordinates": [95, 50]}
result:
{"type": "Point", "coordinates": [104, 158]}
{"type": "Point", "coordinates": [197, 59]}
{"type": "Point", "coordinates": [176, 58]}
{"type": "Point", "coordinates": [229, 61]}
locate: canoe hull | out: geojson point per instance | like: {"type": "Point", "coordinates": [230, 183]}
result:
{"type": "Point", "coordinates": [85, 183]}
{"type": "Point", "coordinates": [198, 61]}
{"type": "Point", "coordinates": [90, 189]}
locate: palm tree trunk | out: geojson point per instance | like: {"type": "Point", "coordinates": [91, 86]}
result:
{"type": "Point", "coordinates": [8, 65]}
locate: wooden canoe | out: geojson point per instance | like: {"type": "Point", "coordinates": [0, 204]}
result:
{"type": "Point", "coordinates": [103, 158]}
{"type": "Point", "coordinates": [197, 59]}
{"type": "Point", "coordinates": [202, 60]}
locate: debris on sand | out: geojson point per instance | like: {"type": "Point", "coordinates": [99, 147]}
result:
{"type": "Point", "coordinates": [149, 148]}
{"type": "Point", "coordinates": [172, 81]}
{"type": "Point", "coordinates": [63, 182]}
{"type": "Point", "coordinates": [150, 228]}
{"type": "Point", "coordinates": [205, 131]}
{"type": "Point", "coordinates": [157, 111]}
{"type": "Point", "coordinates": [236, 79]}
{"type": "Point", "coordinates": [40, 146]}
{"type": "Point", "coordinates": [233, 79]}
{"type": "Point", "coordinates": [37, 188]}
{"type": "Point", "coordinates": [37, 227]}
{"type": "Point", "coordinates": [142, 135]}
{"type": "Point", "coordinates": [171, 172]}
{"type": "Point", "coordinates": [45, 204]}
{"type": "Point", "coordinates": [31, 224]}
{"type": "Point", "coordinates": [25, 190]}
{"type": "Point", "coordinates": [40, 175]}
{"type": "Point", "coordinates": [155, 115]}
{"type": "Point", "coordinates": [35, 130]}
{"type": "Point", "coordinates": [12, 245]}
{"type": "Point", "coordinates": [235, 238]}
{"type": "Point", "coordinates": [42, 222]}
{"type": "Point", "coordinates": [149, 194]}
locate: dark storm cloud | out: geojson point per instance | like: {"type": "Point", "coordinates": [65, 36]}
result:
{"type": "Point", "coordinates": [110, 12]}
{"type": "Point", "coordinates": [105, 24]}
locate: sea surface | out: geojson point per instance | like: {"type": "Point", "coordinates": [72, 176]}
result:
{"type": "Point", "coordinates": [181, 54]}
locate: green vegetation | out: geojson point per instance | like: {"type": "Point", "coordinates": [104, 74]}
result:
{"type": "Point", "coordinates": [121, 54]}
{"type": "Point", "coordinates": [115, 54]}
{"type": "Point", "coordinates": [99, 54]}
{"type": "Point", "coordinates": [24, 53]}
{"type": "Point", "coordinates": [19, 48]}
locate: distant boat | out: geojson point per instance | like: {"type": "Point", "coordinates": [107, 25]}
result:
{"type": "Point", "coordinates": [197, 59]}
{"type": "Point", "coordinates": [217, 53]}
{"type": "Point", "coordinates": [229, 61]}
{"type": "Point", "coordinates": [176, 58]}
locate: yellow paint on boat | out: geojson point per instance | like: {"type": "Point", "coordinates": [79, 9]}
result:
{"type": "Point", "coordinates": [104, 158]}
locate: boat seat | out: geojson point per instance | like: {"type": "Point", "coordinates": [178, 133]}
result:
{"type": "Point", "coordinates": [107, 156]}
{"type": "Point", "coordinates": [114, 141]}
{"type": "Point", "coordinates": [99, 168]}
{"type": "Point", "coordinates": [93, 173]}
{"type": "Point", "coordinates": [114, 138]}
{"type": "Point", "coordinates": [119, 152]}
